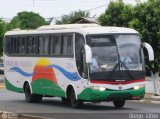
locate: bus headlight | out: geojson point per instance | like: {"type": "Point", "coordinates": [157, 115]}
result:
{"type": "Point", "coordinates": [138, 87]}
{"type": "Point", "coordinates": [98, 88]}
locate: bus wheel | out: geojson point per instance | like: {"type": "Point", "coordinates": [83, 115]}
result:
{"type": "Point", "coordinates": [119, 104]}
{"type": "Point", "coordinates": [31, 97]}
{"type": "Point", "coordinates": [65, 100]}
{"type": "Point", "coordinates": [74, 103]}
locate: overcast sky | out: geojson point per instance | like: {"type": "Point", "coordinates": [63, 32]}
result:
{"type": "Point", "coordinates": [53, 8]}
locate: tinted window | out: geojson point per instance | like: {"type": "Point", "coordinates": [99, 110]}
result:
{"type": "Point", "coordinates": [55, 45]}
{"type": "Point", "coordinates": [43, 45]}
{"type": "Point", "coordinates": [40, 45]}
{"type": "Point", "coordinates": [21, 45]}
{"type": "Point", "coordinates": [8, 45]}
{"type": "Point", "coordinates": [29, 45]}
{"type": "Point", "coordinates": [13, 45]}
{"type": "Point", "coordinates": [67, 45]}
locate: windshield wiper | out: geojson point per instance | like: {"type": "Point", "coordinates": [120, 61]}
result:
{"type": "Point", "coordinates": [123, 65]}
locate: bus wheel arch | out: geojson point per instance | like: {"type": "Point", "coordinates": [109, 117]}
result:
{"type": "Point", "coordinates": [71, 96]}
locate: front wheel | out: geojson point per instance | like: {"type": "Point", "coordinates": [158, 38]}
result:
{"type": "Point", "coordinates": [119, 104]}
{"type": "Point", "coordinates": [30, 98]}
{"type": "Point", "coordinates": [74, 103]}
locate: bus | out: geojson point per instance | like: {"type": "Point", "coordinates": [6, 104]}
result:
{"type": "Point", "coordinates": [76, 62]}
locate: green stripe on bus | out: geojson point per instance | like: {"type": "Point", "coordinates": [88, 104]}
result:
{"type": "Point", "coordinates": [95, 95]}
{"type": "Point", "coordinates": [47, 87]}
{"type": "Point", "coordinates": [11, 87]}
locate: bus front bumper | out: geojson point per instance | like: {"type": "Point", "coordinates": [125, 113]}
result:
{"type": "Point", "coordinates": [111, 95]}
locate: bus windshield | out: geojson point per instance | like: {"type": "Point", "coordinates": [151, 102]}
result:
{"type": "Point", "coordinates": [115, 53]}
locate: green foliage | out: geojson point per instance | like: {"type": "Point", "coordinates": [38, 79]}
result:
{"type": "Point", "coordinates": [117, 14]}
{"type": "Point", "coordinates": [147, 22]}
{"type": "Point", "coordinates": [27, 20]}
{"type": "Point", "coordinates": [2, 28]}
{"type": "Point", "coordinates": [72, 17]}
{"type": "Point", "coordinates": [2, 31]}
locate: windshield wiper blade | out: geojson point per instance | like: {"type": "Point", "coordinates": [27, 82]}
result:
{"type": "Point", "coordinates": [127, 70]}
{"type": "Point", "coordinates": [122, 64]}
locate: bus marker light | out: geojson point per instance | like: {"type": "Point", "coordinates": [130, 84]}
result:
{"type": "Point", "coordinates": [136, 87]}
{"type": "Point", "coordinates": [102, 89]}
{"type": "Point", "coordinates": [98, 88]}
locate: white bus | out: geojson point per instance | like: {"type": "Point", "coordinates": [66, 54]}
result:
{"type": "Point", "coordinates": [77, 62]}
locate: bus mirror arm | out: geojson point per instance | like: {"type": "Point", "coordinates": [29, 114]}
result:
{"type": "Point", "coordinates": [88, 53]}
{"type": "Point", "coordinates": [149, 50]}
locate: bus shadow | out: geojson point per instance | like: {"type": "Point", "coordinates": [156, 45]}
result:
{"type": "Point", "coordinates": [86, 106]}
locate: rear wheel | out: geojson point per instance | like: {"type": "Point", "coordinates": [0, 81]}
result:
{"type": "Point", "coordinates": [119, 104]}
{"type": "Point", "coordinates": [74, 103]}
{"type": "Point", "coordinates": [30, 98]}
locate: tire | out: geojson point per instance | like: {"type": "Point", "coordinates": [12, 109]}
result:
{"type": "Point", "coordinates": [119, 104]}
{"type": "Point", "coordinates": [30, 98]}
{"type": "Point", "coordinates": [74, 103]}
{"type": "Point", "coordinates": [65, 100]}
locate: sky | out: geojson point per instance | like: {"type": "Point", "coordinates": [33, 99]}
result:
{"type": "Point", "coordinates": [53, 8]}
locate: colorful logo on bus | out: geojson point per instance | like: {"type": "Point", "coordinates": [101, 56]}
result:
{"type": "Point", "coordinates": [42, 71]}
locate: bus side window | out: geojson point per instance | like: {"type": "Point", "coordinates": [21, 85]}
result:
{"type": "Point", "coordinates": [41, 40]}
{"type": "Point", "coordinates": [21, 47]}
{"type": "Point", "coordinates": [17, 45]}
{"type": "Point", "coordinates": [13, 47]}
{"type": "Point", "coordinates": [55, 43]}
{"type": "Point", "coordinates": [70, 45]}
{"type": "Point", "coordinates": [8, 45]}
{"type": "Point", "coordinates": [67, 41]}
{"type": "Point", "coordinates": [43, 45]}
{"type": "Point", "coordinates": [35, 45]}
{"type": "Point", "coordinates": [79, 52]}
{"type": "Point", "coordinates": [29, 45]}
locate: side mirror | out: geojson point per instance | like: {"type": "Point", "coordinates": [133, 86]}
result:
{"type": "Point", "coordinates": [149, 50]}
{"type": "Point", "coordinates": [88, 53]}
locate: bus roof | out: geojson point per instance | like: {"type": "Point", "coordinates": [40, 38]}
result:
{"type": "Point", "coordinates": [70, 28]}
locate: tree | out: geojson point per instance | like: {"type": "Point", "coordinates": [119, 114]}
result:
{"type": "Point", "coordinates": [27, 20]}
{"type": "Point", "coordinates": [117, 14]}
{"type": "Point", "coordinates": [72, 17]}
{"type": "Point", "coordinates": [2, 31]}
{"type": "Point", "coordinates": [147, 22]}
